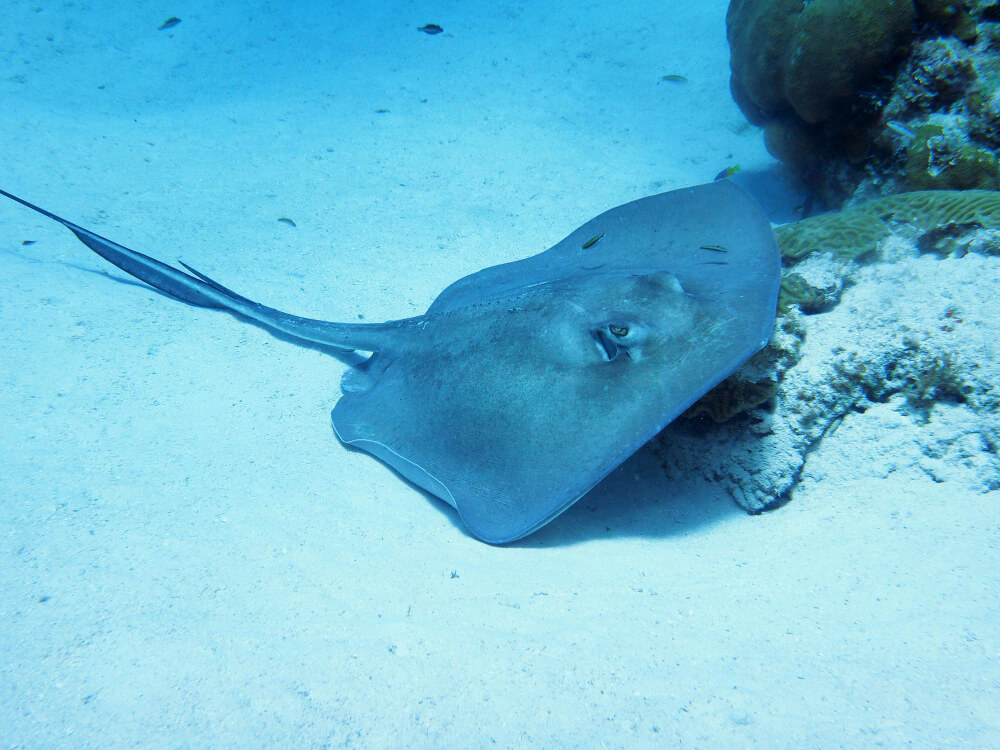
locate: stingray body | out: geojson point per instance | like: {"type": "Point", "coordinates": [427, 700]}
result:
{"type": "Point", "coordinates": [525, 384]}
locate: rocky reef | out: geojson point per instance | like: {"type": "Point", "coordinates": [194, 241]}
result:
{"type": "Point", "coordinates": [863, 98]}
{"type": "Point", "coordinates": [884, 306]}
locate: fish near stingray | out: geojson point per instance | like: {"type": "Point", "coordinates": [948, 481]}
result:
{"type": "Point", "coordinates": [525, 384]}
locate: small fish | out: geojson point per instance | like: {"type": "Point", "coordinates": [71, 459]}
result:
{"type": "Point", "coordinates": [900, 128]}
{"type": "Point", "coordinates": [592, 241]}
{"type": "Point", "coordinates": [287, 221]}
{"type": "Point", "coordinates": [169, 23]}
{"type": "Point", "coordinates": [28, 242]}
{"type": "Point", "coordinates": [674, 78]}
{"type": "Point", "coordinates": [381, 111]}
{"type": "Point", "coordinates": [431, 28]}
{"type": "Point", "coordinates": [714, 248]}
{"type": "Point", "coordinates": [728, 172]}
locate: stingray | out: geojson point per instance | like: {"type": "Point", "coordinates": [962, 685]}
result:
{"type": "Point", "coordinates": [525, 384]}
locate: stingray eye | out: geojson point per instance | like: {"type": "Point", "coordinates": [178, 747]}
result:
{"type": "Point", "coordinates": [619, 331]}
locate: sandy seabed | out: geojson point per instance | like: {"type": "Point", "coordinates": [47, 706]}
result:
{"type": "Point", "coordinates": [188, 558]}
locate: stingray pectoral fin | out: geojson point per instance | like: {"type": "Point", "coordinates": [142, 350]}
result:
{"type": "Point", "coordinates": [200, 290]}
{"type": "Point", "coordinates": [408, 469]}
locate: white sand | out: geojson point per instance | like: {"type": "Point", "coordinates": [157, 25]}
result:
{"type": "Point", "coordinates": [189, 558]}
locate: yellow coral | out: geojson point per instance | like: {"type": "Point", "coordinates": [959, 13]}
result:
{"type": "Point", "coordinates": [795, 290]}
{"type": "Point", "coordinates": [935, 160]}
{"type": "Point", "coordinates": [731, 397]}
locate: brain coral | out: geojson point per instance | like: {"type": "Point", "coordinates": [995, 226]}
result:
{"type": "Point", "coordinates": [854, 232]}
{"type": "Point", "coordinates": [810, 57]}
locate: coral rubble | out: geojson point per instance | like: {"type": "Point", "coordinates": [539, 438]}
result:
{"type": "Point", "coordinates": [913, 329]}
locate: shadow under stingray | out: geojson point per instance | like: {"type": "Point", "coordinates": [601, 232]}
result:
{"type": "Point", "coordinates": [638, 499]}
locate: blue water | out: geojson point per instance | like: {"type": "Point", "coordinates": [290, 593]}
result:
{"type": "Point", "coordinates": [188, 558]}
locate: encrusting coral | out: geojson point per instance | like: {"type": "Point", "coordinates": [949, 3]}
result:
{"type": "Point", "coordinates": [936, 159]}
{"type": "Point", "coordinates": [949, 15]}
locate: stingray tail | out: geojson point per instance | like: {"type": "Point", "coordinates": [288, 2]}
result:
{"type": "Point", "coordinates": [197, 289]}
